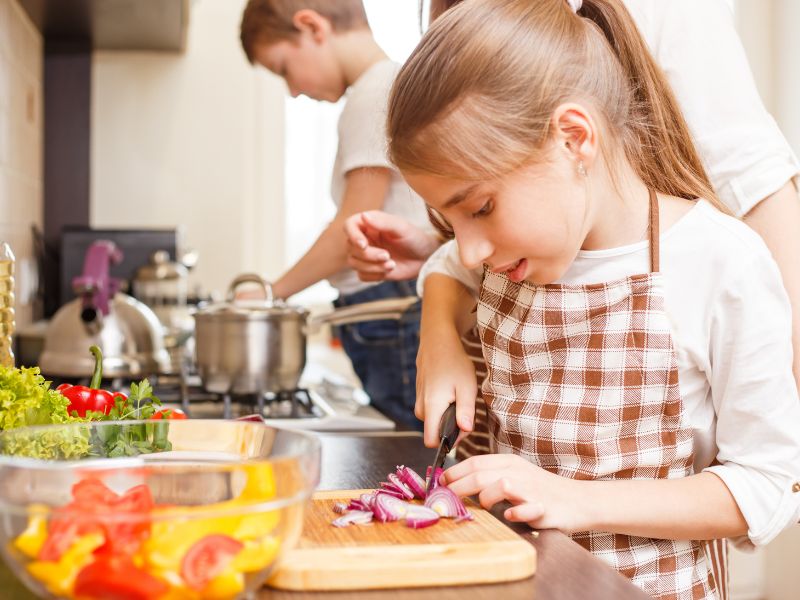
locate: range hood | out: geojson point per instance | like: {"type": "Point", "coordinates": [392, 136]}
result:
{"type": "Point", "coordinates": [157, 25]}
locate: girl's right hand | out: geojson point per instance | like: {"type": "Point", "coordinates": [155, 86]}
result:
{"type": "Point", "coordinates": [445, 374]}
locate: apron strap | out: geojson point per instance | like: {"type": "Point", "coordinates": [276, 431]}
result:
{"type": "Point", "coordinates": [654, 233]}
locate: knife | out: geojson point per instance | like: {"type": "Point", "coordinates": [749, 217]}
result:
{"type": "Point", "coordinates": [448, 433]}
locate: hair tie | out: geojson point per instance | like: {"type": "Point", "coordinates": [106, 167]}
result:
{"type": "Point", "coordinates": [575, 5]}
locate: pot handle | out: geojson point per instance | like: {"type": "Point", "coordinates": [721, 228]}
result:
{"type": "Point", "coordinates": [390, 308]}
{"type": "Point", "coordinates": [250, 278]}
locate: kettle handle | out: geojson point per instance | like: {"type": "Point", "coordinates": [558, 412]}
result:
{"type": "Point", "coordinates": [251, 278]}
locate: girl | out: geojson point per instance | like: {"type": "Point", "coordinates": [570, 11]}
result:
{"type": "Point", "coordinates": [546, 136]}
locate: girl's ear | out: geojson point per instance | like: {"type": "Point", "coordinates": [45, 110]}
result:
{"type": "Point", "coordinates": [575, 131]}
{"type": "Point", "coordinates": [311, 22]}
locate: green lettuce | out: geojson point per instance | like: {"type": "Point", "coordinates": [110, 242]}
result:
{"type": "Point", "coordinates": [26, 399]}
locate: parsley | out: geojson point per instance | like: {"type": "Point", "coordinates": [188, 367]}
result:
{"type": "Point", "coordinates": [131, 440]}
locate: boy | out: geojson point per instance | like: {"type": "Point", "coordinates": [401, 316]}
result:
{"type": "Point", "coordinates": [324, 49]}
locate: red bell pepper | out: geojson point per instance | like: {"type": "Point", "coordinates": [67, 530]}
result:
{"type": "Point", "coordinates": [82, 398]}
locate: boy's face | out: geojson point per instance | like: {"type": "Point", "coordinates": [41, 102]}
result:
{"type": "Point", "coordinates": [308, 66]}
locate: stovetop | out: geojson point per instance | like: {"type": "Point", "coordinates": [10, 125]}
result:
{"type": "Point", "coordinates": [322, 406]}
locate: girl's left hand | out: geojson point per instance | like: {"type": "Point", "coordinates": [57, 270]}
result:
{"type": "Point", "coordinates": [541, 499]}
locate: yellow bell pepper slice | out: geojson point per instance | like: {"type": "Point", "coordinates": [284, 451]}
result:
{"type": "Point", "coordinates": [30, 541]}
{"type": "Point", "coordinates": [59, 577]}
{"type": "Point", "coordinates": [224, 586]}
{"type": "Point", "coordinates": [256, 555]}
{"type": "Point", "coordinates": [260, 484]}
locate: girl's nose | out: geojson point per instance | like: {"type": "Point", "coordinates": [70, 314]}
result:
{"type": "Point", "coordinates": [474, 251]}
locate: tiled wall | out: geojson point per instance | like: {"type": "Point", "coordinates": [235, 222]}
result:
{"type": "Point", "coordinates": [21, 143]}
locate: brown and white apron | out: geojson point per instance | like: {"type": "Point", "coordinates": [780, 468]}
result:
{"type": "Point", "coordinates": [582, 380]}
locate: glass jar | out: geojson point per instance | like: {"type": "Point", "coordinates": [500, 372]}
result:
{"type": "Point", "coordinates": [7, 320]}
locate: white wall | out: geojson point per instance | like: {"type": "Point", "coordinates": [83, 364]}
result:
{"type": "Point", "coordinates": [196, 140]}
{"type": "Point", "coordinates": [21, 146]}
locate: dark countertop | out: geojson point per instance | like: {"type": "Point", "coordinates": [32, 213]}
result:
{"type": "Point", "coordinates": [565, 570]}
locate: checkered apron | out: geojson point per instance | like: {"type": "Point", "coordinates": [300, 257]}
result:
{"type": "Point", "coordinates": [582, 380]}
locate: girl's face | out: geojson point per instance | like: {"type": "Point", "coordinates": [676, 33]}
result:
{"type": "Point", "coordinates": [307, 65]}
{"type": "Point", "coordinates": [530, 225]}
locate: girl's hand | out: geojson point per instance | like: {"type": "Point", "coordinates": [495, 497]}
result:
{"type": "Point", "coordinates": [445, 374]}
{"type": "Point", "coordinates": [541, 499]}
{"type": "Point", "coordinates": [385, 246]}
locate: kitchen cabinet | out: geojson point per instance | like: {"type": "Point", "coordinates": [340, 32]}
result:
{"type": "Point", "coordinates": [158, 25]}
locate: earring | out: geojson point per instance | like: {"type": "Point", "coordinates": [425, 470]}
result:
{"type": "Point", "coordinates": [581, 169]}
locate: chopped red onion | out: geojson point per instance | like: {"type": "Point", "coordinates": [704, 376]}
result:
{"type": "Point", "coordinates": [412, 479]}
{"type": "Point", "coordinates": [356, 504]}
{"type": "Point", "coordinates": [368, 500]}
{"type": "Point", "coordinates": [418, 517]}
{"type": "Point", "coordinates": [394, 479]}
{"type": "Point", "coordinates": [388, 488]}
{"type": "Point", "coordinates": [436, 476]}
{"type": "Point", "coordinates": [340, 508]}
{"type": "Point", "coordinates": [359, 517]}
{"type": "Point", "coordinates": [445, 502]}
{"type": "Point", "coordinates": [389, 508]}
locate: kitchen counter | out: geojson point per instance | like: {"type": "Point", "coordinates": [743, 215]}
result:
{"type": "Point", "coordinates": [565, 570]}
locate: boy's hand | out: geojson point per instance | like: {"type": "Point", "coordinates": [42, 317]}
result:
{"type": "Point", "coordinates": [385, 246]}
{"type": "Point", "coordinates": [540, 498]}
{"type": "Point", "coordinates": [445, 374]}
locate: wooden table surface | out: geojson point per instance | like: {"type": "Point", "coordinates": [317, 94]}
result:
{"type": "Point", "coordinates": [565, 570]}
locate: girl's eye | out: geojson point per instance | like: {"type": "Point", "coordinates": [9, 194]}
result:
{"type": "Point", "coordinates": [484, 210]}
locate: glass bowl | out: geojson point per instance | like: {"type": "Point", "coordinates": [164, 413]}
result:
{"type": "Point", "coordinates": [180, 509]}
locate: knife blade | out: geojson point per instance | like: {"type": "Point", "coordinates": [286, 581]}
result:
{"type": "Point", "coordinates": [448, 433]}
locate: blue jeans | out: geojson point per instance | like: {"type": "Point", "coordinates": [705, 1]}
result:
{"type": "Point", "coordinates": [384, 353]}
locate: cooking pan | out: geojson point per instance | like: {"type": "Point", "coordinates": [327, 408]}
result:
{"type": "Point", "coordinates": [247, 346]}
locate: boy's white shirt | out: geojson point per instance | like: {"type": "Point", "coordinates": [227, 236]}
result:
{"type": "Point", "coordinates": [363, 143]}
{"type": "Point", "coordinates": [731, 322]}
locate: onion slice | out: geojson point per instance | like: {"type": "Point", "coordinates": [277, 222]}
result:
{"type": "Point", "coordinates": [418, 516]}
{"type": "Point", "coordinates": [446, 504]}
{"type": "Point", "coordinates": [359, 517]}
{"type": "Point", "coordinates": [340, 508]}
{"type": "Point", "coordinates": [395, 480]}
{"type": "Point", "coordinates": [389, 508]}
{"type": "Point", "coordinates": [412, 479]}
{"type": "Point", "coordinates": [437, 474]}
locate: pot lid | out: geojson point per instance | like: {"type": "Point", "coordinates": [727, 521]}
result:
{"type": "Point", "coordinates": [250, 309]}
{"type": "Point", "coordinates": [161, 268]}
{"type": "Point", "coordinates": [239, 309]}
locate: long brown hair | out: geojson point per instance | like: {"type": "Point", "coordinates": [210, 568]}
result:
{"type": "Point", "coordinates": [476, 97]}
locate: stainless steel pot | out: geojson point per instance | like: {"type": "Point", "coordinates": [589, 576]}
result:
{"type": "Point", "coordinates": [246, 347]}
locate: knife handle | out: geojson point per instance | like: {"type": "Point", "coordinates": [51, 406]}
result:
{"type": "Point", "coordinates": [448, 428]}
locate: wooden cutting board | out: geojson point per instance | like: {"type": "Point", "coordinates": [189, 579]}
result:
{"type": "Point", "coordinates": [391, 555]}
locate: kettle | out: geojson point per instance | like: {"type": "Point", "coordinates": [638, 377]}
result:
{"type": "Point", "coordinates": [126, 330]}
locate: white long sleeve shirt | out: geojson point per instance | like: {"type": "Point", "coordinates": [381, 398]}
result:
{"type": "Point", "coordinates": [731, 323]}
{"type": "Point", "coordinates": [696, 44]}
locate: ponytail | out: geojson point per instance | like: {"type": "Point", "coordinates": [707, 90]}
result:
{"type": "Point", "coordinates": [659, 137]}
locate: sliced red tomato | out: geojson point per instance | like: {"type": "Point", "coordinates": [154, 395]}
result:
{"type": "Point", "coordinates": [60, 535]}
{"type": "Point", "coordinates": [207, 558]}
{"type": "Point", "coordinates": [91, 491]}
{"type": "Point", "coordinates": [174, 414]}
{"type": "Point", "coordinates": [117, 578]}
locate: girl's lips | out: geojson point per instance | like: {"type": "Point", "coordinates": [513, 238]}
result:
{"type": "Point", "coordinates": [518, 273]}
{"type": "Point", "coordinates": [515, 271]}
